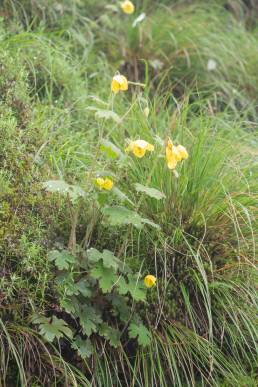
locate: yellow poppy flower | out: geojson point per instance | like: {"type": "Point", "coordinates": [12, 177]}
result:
{"type": "Point", "coordinates": [127, 7]}
{"type": "Point", "coordinates": [182, 151]}
{"type": "Point", "coordinates": [119, 83]}
{"type": "Point", "coordinates": [106, 183]}
{"type": "Point", "coordinates": [174, 154]}
{"type": "Point", "coordinates": [139, 148]}
{"type": "Point", "coordinates": [170, 155]}
{"type": "Point", "coordinates": [150, 281]}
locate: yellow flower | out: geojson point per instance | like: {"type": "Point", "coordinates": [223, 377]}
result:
{"type": "Point", "coordinates": [150, 281]}
{"type": "Point", "coordinates": [170, 155]}
{"type": "Point", "coordinates": [119, 83]}
{"type": "Point", "coordinates": [182, 151]}
{"type": "Point", "coordinates": [106, 183]}
{"type": "Point", "coordinates": [127, 7]}
{"type": "Point", "coordinates": [174, 154]}
{"type": "Point", "coordinates": [139, 148]}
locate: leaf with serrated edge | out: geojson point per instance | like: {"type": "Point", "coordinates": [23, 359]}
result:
{"type": "Point", "coordinates": [83, 347]}
{"type": "Point", "coordinates": [111, 334]}
{"type": "Point", "coordinates": [141, 333]}
{"type": "Point", "coordinates": [121, 195]}
{"type": "Point", "coordinates": [134, 286]}
{"type": "Point", "coordinates": [62, 259]}
{"type": "Point", "coordinates": [106, 276]}
{"type": "Point", "coordinates": [84, 288]}
{"type": "Point", "coordinates": [111, 149]}
{"type": "Point", "coordinates": [71, 305]}
{"type": "Point", "coordinates": [89, 319]}
{"type": "Point", "coordinates": [94, 255]}
{"type": "Point", "coordinates": [108, 258]}
{"type": "Point", "coordinates": [119, 215]}
{"type": "Point", "coordinates": [63, 188]}
{"type": "Point", "coordinates": [120, 306]}
{"type": "Point", "coordinates": [51, 328]}
{"type": "Point", "coordinates": [152, 192]}
{"type": "Point", "coordinates": [108, 114]}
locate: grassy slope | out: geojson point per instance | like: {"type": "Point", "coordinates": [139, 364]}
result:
{"type": "Point", "coordinates": [202, 313]}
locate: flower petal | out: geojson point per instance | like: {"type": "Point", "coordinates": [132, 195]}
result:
{"type": "Point", "coordinates": [150, 281]}
{"type": "Point", "coordinates": [115, 86]}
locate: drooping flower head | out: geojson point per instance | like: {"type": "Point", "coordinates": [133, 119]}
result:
{"type": "Point", "coordinates": [119, 83]}
{"type": "Point", "coordinates": [127, 7]}
{"type": "Point", "coordinates": [170, 155]}
{"type": "Point", "coordinates": [150, 281]}
{"type": "Point", "coordinates": [104, 183]}
{"type": "Point", "coordinates": [182, 152]}
{"type": "Point", "coordinates": [174, 154]}
{"type": "Point", "coordinates": [139, 148]}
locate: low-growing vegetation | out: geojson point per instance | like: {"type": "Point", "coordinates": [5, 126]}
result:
{"type": "Point", "coordinates": [128, 193]}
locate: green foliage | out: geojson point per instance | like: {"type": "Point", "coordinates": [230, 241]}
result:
{"type": "Point", "coordinates": [107, 114]}
{"type": "Point", "coordinates": [98, 276]}
{"type": "Point", "coordinates": [89, 320]}
{"type": "Point", "coordinates": [111, 150]}
{"type": "Point", "coordinates": [152, 192]}
{"type": "Point", "coordinates": [61, 187]}
{"type": "Point", "coordinates": [133, 286]}
{"type": "Point", "coordinates": [52, 328]}
{"type": "Point", "coordinates": [111, 334]}
{"type": "Point", "coordinates": [118, 216]}
{"type": "Point", "coordinates": [84, 347]}
{"type": "Point", "coordinates": [107, 258]}
{"type": "Point", "coordinates": [106, 276]}
{"type": "Point", "coordinates": [62, 259]}
{"type": "Point", "coordinates": [60, 125]}
{"type": "Point", "coordinates": [141, 333]}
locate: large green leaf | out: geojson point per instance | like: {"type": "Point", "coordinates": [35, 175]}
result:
{"type": "Point", "coordinates": [134, 286]}
{"type": "Point", "coordinates": [63, 188]}
{"type": "Point", "coordinates": [121, 195]}
{"type": "Point", "coordinates": [62, 259]}
{"type": "Point", "coordinates": [150, 223]}
{"type": "Point", "coordinates": [106, 276]}
{"type": "Point", "coordinates": [83, 287]}
{"type": "Point", "coordinates": [52, 327]}
{"type": "Point", "coordinates": [70, 305]}
{"type": "Point", "coordinates": [108, 115]}
{"type": "Point", "coordinates": [111, 150]}
{"type": "Point", "coordinates": [111, 334]}
{"type": "Point", "coordinates": [66, 284]}
{"type": "Point", "coordinates": [141, 333]}
{"type": "Point", "coordinates": [120, 306]}
{"type": "Point", "coordinates": [94, 255]}
{"type": "Point", "coordinates": [108, 258]}
{"type": "Point", "coordinates": [119, 215]}
{"type": "Point", "coordinates": [89, 319]}
{"type": "Point", "coordinates": [83, 347]}
{"type": "Point", "coordinates": [152, 192]}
